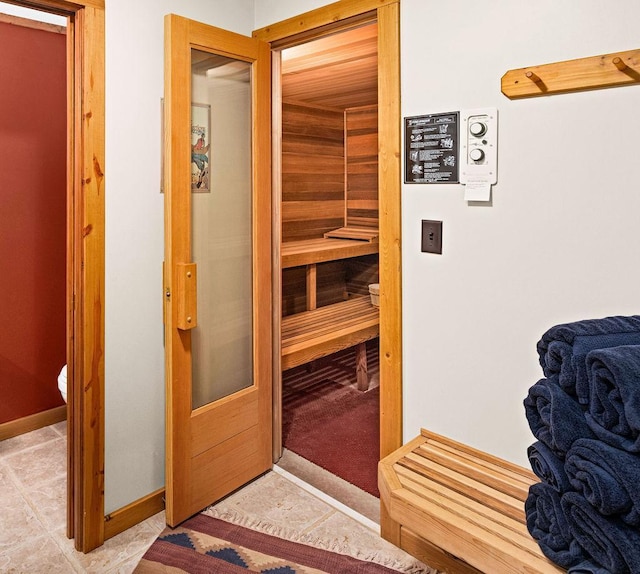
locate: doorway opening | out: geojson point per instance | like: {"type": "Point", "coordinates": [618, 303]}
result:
{"type": "Point", "coordinates": [33, 186]}
{"type": "Point", "coordinates": [85, 264]}
{"type": "Point", "coordinates": [329, 186]}
{"type": "Point", "coordinates": [300, 33]}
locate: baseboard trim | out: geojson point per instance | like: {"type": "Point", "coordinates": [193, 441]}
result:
{"type": "Point", "coordinates": [33, 422]}
{"type": "Point", "coordinates": [124, 518]}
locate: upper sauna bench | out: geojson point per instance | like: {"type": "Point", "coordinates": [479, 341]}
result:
{"type": "Point", "coordinates": [339, 244]}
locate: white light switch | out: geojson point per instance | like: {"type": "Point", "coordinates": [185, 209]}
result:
{"type": "Point", "coordinates": [479, 143]}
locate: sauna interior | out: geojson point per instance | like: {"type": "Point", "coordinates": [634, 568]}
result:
{"type": "Point", "coordinates": [329, 198]}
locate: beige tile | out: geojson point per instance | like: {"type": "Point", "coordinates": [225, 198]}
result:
{"type": "Point", "coordinates": [128, 566]}
{"type": "Point", "coordinates": [113, 553]}
{"type": "Point", "coordinates": [41, 555]}
{"type": "Point", "coordinates": [28, 440]}
{"type": "Point", "coordinates": [60, 428]}
{"type": "Point", "coordinates": [157, 523]}
{"type": "Point", "coordinates": [18, 523]}
{"type": "Point", "coordinates": [272, 502]}
{"type": "Point", "coordinates": [337, 488]}
{"type": "Point", "coordinates": [49, 502]}
{"type": "Point", "coordinates": [39, 465]}
{"type": "Point", "coordinates": [340, 533]}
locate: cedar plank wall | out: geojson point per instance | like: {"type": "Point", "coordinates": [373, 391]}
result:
{"type": "Point", "coordinates": [360, 272]}
{"type": "Point", "coordinates": [316, 169]}
{"type": "Point", "coordinates": [312, 171]}
{"type": "Point", "coordinates": [362, 166]}
{"type": "Point", "coordinates": [312, 195]}
{"type": "Point", "coordinates": [331, 281]}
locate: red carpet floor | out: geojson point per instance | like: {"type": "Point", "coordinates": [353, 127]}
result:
{"type": "Point", "coordinates": [329, 422]}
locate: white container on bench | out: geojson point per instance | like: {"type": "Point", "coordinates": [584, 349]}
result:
{"type": "Point", "coordinates": [374, 291]}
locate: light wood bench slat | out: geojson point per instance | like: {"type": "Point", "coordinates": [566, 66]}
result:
{"type": "Point", "coordinates": [480, 456]}
{"type": "Point", "coordinates": [352, 309]}
{"type": "Point", "coordinates": [427, 487]}
{"type": "Point", "coordinates": [460, 507]}
{"type": "Point", "coordinates": [490, 476]}
{"type": "Point", "coordinates": [322, 249]}
{"type": "Point", "coordinates": [320, 332]}
{"type": "Point", "coordinates": [358, 233]}
{"type": "Point", "coordinates": [525, 479]}
{"type": "Point", "coordinates": [468, 486]}
{"type": "Point", "coordinates": [475, 544]}
{"type": "Point", "coordinates": [456, 505]}
{"type": "Point", "coordinates": [302, 328]}
{"type": "Point", "coordinates": [329, 333]}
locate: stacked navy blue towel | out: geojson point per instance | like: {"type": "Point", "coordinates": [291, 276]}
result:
{"type": "Point", "coordinates": [585, 415]}
{"type": "Point", "coordinates": [563, 349]}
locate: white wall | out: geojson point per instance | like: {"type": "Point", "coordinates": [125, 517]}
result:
{"type": "Point", "coordinates": [271, 11]}
{"type": "Point", "coordinates": [134, 353]}
{"type": "Point", "coordinates": [30, 14]}
{"type": "Point", "coordinates": [558, 242]}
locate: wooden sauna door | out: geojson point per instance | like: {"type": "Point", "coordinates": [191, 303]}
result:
{"type": "Point", "coordinates": [217, 278]}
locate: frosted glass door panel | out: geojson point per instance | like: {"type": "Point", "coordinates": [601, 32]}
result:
{"type": "Point", "coordinates": [222, 343]}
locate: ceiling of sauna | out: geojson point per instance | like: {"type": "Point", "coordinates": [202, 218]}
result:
{"type": "Point", "coordinates": [338, 71]}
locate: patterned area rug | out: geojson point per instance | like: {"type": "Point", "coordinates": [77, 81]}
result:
{"type": "Point", "coordinates": [204, 544]}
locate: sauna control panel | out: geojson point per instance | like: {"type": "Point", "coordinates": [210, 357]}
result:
{"type": "Point", "coordinates": [479, 145]}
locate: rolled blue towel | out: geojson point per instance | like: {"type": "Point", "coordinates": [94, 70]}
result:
{"type": "Point", "coordinates": [548, 467]}
{"type": "Point", "coordinates": [606, 540]}
{"type": "Point", "coordinates": [562, 349]}
{"type": "Point", "coordinates": [587, 567]}
{"type": "Point", "coordinates": [555, 418]}
{"type": "Point", "coordinates": [548, 526]}
{"type": "Point", "coordinates": [609, 478]}
{"type": "Point", "coordinates": [614, 396]}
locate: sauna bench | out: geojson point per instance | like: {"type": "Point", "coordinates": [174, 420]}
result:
{"type": "Point", "coordinates": [310, 252]}
{"type": "Point", "coordinates": [458, 509]}
{"type": "Point", "coordinates": [320, 250]}
{"type": "Point", "coordinates": [323, 331]}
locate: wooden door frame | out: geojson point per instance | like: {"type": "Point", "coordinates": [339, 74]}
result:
{"type": "Point", "coordinates": [85, 265]}
{"type": "Point", "coordinates": [340, 15]}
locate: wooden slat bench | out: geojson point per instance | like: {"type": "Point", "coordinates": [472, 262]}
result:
{"type": "Point", "coordinates": [320, 332]}
{"type": "Point", "coordinates": [458, 509]}
{"type": "Point", "coordinates": [318, 250]}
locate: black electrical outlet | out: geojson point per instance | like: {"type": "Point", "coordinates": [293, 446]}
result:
{"type": "Point", "coordinates": [431, 236]}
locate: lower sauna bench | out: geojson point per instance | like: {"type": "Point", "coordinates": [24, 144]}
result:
{"type": "Point", "coordinates": [458, 509]}
{"type": "Point", "coordinates": [313, 334]}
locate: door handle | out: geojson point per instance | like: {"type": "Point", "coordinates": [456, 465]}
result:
{"type": "Point", "coordinates": [186, 296]}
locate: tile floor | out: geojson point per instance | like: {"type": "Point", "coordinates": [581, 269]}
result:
{"type": "Point", "coordinates": [32, 516]}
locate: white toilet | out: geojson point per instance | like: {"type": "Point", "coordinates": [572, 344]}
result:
{"type": "Point", "coordinates": [62, 383]}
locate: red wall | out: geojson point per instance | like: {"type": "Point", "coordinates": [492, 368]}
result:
{"type": "Point", "coordinates": [32, 219]}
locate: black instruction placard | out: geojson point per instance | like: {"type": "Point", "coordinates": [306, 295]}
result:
{"type": "Point", "coordinates": [431, 148]}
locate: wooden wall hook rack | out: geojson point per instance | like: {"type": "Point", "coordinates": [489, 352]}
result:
{"type": "Point", "coordinates": [595, 72]}
{"type": "Point", "coordinates": [619, 63]}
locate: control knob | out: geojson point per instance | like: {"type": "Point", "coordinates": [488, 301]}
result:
{"type": "Point", "coordinates": [476, 154]}
{"type": "Point", "coordinates": [478, 129]}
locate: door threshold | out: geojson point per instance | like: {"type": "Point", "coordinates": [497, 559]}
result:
{"type": "Point", "coordinates": [365, 502]}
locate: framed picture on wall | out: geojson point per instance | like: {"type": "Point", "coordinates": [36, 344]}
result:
{"type": "Point", "coordinates": [200, 147]}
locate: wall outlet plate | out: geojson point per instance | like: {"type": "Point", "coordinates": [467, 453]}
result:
{"type": "Point", "coordinates": [431, 236]}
